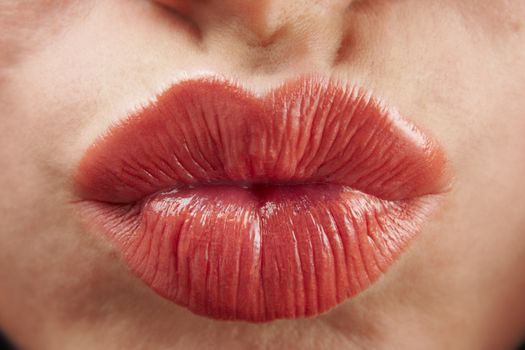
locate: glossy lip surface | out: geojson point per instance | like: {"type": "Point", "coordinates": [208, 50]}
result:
{"type": "Point", "coordinates": [257, 208]}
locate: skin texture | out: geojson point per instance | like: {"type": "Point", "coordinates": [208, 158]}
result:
{"type": "Point", "coordinates": [69, 69]}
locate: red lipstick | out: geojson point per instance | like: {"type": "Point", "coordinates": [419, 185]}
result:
{"type": "Point", "coordinates": [255, 208]}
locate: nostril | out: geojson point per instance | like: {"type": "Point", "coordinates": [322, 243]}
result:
{"type": "Point", "coordinates": [182, 11]}
{"type": "Point", "coordinates": [181, 6]}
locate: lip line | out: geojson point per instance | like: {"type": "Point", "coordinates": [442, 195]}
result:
{"type": "Point", "coordinates": [249, 186]}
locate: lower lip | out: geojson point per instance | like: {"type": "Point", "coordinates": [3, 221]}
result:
{"type": "Point", "coordinates": [284, 248]}
{"type": "Point", "coordinates": [277, 252]}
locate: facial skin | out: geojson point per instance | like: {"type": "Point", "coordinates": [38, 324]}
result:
{"type": "Point", "coordinates": [69, 69]}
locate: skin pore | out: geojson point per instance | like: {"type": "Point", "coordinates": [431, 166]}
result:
{"type": "Point", "coordinates": [69, 69]}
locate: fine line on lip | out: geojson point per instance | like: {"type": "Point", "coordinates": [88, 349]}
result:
{"type": "Point", "coordinates": [240, 143]}
{"type": "Point", "coordinates": [207, 159]}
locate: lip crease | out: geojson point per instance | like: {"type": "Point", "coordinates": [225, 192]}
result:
{"type": "Point", "coordinates": [242, 207]}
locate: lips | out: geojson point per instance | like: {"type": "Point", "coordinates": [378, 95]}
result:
{"type": "Point", "coordinates": [255, 208]}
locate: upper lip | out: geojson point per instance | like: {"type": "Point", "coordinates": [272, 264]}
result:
{"type": "Point", "coordinates": [310, 130]}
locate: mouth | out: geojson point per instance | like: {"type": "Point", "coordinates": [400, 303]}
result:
{"type": "Point", "coordinates": [242, 207]}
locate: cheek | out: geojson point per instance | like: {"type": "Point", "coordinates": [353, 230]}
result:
{"type": "Point", "coordinates": [55, 98]}
{"type": "Point", "coordinates": [26, 25]}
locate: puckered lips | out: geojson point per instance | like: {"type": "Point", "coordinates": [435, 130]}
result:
{"type": "Point", "coordinates": [242, 207]}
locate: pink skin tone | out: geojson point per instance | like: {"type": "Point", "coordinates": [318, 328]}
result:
{"type": "Point", "coordinates": [71, 69]}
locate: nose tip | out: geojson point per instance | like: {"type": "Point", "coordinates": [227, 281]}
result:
{"type": "Point", "coordinates": [261, 17]}
{"type": "Point", "coordinates": [304, 35]}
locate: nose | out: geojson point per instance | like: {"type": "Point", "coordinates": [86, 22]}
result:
{"type": "Point", "coordinates": [269, 35]}
{"type": "Point", "coordinates": [264, 18]}
{"type": "Point", "coordinates": [276, 32]}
